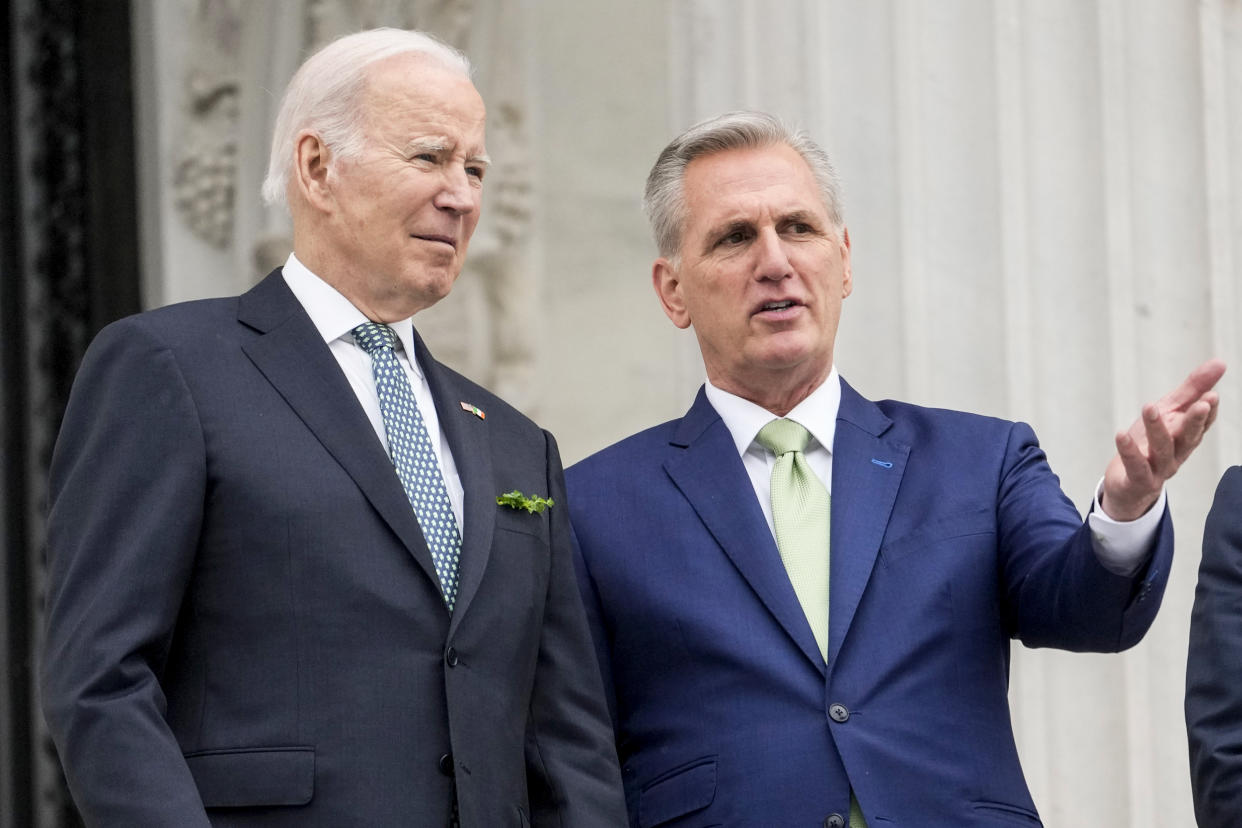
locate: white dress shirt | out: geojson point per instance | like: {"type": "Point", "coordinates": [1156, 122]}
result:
{"type": "Point", "coordinates": [1121, 546]}
{"type": "Point", "coordinates": [335, 317]}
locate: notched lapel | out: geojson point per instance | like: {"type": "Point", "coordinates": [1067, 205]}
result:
{"type": "Point", "coordinates": [295, 360]}
{"type": "Point", "coordinates": [470, 441]}
{"type": "Point", "coordinates": [866, 474]}
{"type": "Point", "coordinates": [706, 468]}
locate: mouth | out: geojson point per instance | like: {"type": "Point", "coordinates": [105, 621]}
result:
{"type": "Point", "coordinates": [434, 237]}
{"type": "Point", "coordinates": [779, 307]}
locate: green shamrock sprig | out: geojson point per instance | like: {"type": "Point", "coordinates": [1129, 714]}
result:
{"type": "Point", "coordinates": [516, 500]}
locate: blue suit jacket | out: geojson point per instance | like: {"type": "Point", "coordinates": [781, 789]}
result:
{"type": "Point", "coordinates": [246, 628]}
{"type": "Point", "coordinates": [950, 536]}
{"type": "Point", "coordinates": [1214, 664]}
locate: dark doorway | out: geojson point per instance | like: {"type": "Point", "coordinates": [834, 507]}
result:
{"type": "Point", "coordinates": [69, 264]}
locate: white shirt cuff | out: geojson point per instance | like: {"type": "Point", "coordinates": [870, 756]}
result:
{"type": "Point", "coordinates": [1122, 547]}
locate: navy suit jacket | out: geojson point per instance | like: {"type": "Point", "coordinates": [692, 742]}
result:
{"type": "Point", "coordinates": [949, 537]}
{"type": "Point", "coordinates": [245, 625]}
{"type": "Point", "coordinates": [1214, 664]}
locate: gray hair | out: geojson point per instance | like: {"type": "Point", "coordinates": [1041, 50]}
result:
{"type": "Point", "coordinates": [325, 95]}
{"type": "Point", "coordinates": [664, 201]}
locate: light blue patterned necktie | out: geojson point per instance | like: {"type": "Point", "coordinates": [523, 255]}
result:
{"type": "Point", "coordinates": [412, 454]}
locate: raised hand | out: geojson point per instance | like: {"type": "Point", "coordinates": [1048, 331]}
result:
{"type": "Point", "coordinates": [1154, 447]}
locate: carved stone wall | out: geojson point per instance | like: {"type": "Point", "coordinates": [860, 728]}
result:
{"type": "Point", "coordinates": [205, 165]}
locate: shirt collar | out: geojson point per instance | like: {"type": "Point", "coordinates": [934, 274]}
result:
{"type": "Point", "coordinates": [333, 315]}
{"type": "Point", "coordinates": [817, 413]}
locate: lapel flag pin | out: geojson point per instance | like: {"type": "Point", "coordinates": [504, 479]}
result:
{"type": "Point", "coordinates": [473, 409]}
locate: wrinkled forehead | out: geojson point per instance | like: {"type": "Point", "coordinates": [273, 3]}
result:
{"type": "Point", "coordinates": [764, 180]}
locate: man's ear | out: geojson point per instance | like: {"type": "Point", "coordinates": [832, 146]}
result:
{"type": "Point", "coordinates": [668, 288]}
{"type": "Point", "coordinates": [311, 160]}
{"type": "Point", "coordinates": [847, 275]}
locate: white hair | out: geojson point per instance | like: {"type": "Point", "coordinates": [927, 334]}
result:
{"type": "Point", "coordinates": [664, 201]}
{"type": "Point", "coordinates": [325, 95]}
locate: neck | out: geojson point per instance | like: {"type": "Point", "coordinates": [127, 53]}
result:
{"type": "Point", "coordinates": [778, 399]}
{"type": "Point", "coordinates": [385, 307]}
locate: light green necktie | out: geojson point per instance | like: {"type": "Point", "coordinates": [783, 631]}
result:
{"type": "Point", "coordinates": [800, 515]}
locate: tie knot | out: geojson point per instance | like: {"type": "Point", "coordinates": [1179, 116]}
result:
{"type": "Point", "coordinates": [783, 436]}
{"type": "Point", "coordinates": [373, 336]}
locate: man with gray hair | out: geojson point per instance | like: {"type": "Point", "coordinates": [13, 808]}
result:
{"type": "Point", "coordinates": [803, 600]}
{"type": "Point", "coordinates": [301, 574]}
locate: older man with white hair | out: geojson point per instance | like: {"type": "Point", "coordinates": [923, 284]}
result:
{"type": "Point", "coordinates": [301, 574]}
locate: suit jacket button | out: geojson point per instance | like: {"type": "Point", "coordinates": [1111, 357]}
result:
{"type": "Point", "coordinates": [450, 656]}
{"type": "Point", "coordinates": [446, 764]}
{"type": "Point", "coordinates": [839, 713]}
{"type": "Point", "coordinates": [834, 821]}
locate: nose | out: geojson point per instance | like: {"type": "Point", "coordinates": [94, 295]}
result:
{"type": "Point", "coordinates": [457, 194]}
{"type": "Point", "coordinates": [772, 260]}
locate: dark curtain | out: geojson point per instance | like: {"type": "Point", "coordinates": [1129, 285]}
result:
{"type": "Point", "coordinates": [69, 265]}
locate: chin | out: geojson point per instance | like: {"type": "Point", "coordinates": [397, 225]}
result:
{"type": "Point", "coordinates": [434, 282]}
{"type": "Point", "coordinates": [787, 351]}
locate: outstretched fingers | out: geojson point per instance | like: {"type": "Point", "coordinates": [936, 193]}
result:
{"type": "Point", "coordinates": [1197, 386]}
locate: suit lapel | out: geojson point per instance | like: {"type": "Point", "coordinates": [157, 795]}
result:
{"type": "Point", "coordinates": [293, 357]}
{"type": "Point", "coordinates": [470, 441]}
{"type": "Point", "coordinates": [866, 473]}
{"type": "Point", "coordinates": [706, 467]}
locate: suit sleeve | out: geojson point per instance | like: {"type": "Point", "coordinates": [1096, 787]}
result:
{"type": "Point", "coordinates": [1057, 593]}
{"type": "Point", "coordinates": [1214, 664]}
{"type": "Point", "coordinates": [595, 623]}
{"type": "Point", "coordinates": [571, 757]}
{"type": "Point", "coordinates": [127, 487]}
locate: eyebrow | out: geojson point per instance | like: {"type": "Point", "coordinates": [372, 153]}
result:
{"type": "Point", "coordinates": [421, 145]}
{"type": "Point", "coordinates": [721, 230]}
{"type": "Point", "coordinates": [804, 216]}
{"type": "Point", "coordinates": [425, 145]}
{"type": "Point", "coordinates": [799, 216]}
